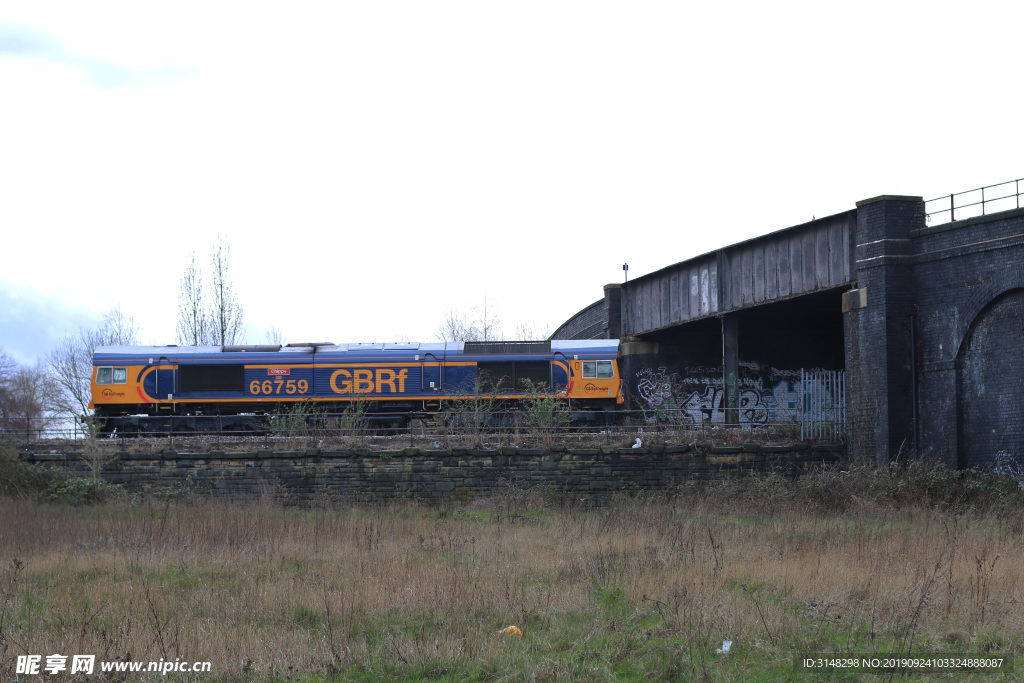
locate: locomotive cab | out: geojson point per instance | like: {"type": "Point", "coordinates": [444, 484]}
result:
{"type": "Point", "coordinates": [596, 382]}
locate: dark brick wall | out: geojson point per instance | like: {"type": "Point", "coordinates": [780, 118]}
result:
{"type": "Point", "coordinates": [590, 323]}
{"type": "Point", "coordinates": [961, 269]}
{"type": "Point", "coordinates": [933, 360]}
{"type": "Point", "coordinates": [458, 475]}
{"type": "Point", "coordinates": [991, 385]}
{"type": "Point", "coordinates": [599, 320]}
{"type": "Point", "coordinates": [879, 355]}
{"type": "Point", "coordinates": [954, 393]}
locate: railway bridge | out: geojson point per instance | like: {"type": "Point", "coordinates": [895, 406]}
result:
{"type": "Point", "coordinates": [908, 322]}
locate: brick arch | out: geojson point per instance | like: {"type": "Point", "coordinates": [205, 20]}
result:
{"type": "Point", "coordinates": [986, 293]}
{"type": "Point", "coordinates": [990, 384]}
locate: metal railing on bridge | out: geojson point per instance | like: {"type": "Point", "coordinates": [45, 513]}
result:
{"type": "Point", "coordinates": [971, 203]}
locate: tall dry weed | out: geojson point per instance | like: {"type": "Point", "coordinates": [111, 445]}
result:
{"type": "Point", "coordinates": [645, 584]}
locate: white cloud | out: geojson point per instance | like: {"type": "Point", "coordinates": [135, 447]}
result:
{"type": "Point", "coordinates": [31, 323]}
{"type": "Point", "coordinates": [375, 165]}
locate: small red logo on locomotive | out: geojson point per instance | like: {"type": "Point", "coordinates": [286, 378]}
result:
{"type": "Point", "coordinates": [279, 371]}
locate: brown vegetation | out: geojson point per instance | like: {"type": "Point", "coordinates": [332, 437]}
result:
{"type": "Point", "coordinates": [641, 588]}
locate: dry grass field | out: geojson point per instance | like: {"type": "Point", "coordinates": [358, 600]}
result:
{"type": "Point", "coordinates": [636, 588]}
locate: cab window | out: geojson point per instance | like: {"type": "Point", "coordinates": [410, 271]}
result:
{"type": "Point", "coordinates": [600, 369]}
{"type": "Point", "coordinates": [111, 375]}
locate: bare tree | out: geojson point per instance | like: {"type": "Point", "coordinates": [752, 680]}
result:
{"type": "Point", "coordinates": [208, 309]}
{"type": "Point", "coordinates": [489, 323]}
{"type": "Point", "coordinates": [194, 325]}
{"type": "Point", "coordinates": [70, 363]}
{"type": "Point", "coordinates": [23, 394]}
{"type": "Point", "coordinates": [457, 326]}
{"type": "Point", "coordinates": [8, 368]}
{"type": "Point", "coordinates": [227, 312]}
{"type": "Point", "coordinates": [117, 329]}
{"type": "Point", "coordinates": [529, 331]}
{"type": "Point", "coordinates": [274, 335]}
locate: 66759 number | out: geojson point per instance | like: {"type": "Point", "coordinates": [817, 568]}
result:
{"type": "Point", "coordinates": [278, 386]}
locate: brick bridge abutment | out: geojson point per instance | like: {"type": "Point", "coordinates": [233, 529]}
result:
{"type": "Point", "coordinates": [925, 321]}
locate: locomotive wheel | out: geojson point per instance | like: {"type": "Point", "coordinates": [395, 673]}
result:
{"type": "Point", "coordinates": [240, 430]}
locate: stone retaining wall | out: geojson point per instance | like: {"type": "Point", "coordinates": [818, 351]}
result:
{"type": "Point", "coordinates": [458, 475]}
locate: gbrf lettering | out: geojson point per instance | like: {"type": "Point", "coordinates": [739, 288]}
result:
{"type": "Point", "coordinates": [368, 381]}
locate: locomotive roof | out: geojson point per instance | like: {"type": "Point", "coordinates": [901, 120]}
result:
{"type": "Point", "coordinates": [272, 351]}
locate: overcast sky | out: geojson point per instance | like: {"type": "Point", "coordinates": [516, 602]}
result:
{"type": "Point", "coordinates": [375, 164]}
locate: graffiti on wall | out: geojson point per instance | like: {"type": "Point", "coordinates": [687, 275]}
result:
{"type": "Point", "coordinates": [1009, 466]}
{"type": "Point", "coordinates": [696, 396]}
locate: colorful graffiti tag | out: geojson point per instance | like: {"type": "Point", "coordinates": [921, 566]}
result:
{"type": "Point", "coordinates": [696, 396]}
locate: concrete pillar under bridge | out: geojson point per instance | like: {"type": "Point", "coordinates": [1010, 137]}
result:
{"type": "Point", "coordinates": [731, 369]}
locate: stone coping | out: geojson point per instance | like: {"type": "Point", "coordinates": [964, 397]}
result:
{"type": "Point", "coordinates": [702, 448]}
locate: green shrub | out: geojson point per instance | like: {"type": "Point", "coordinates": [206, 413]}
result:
{"type": "Point", "coordinates": [291, 421]}
{"type": "Point", "coordinates": [75, 491]}
{"type": "Point", "coordinates": [544, 412]}
{"type": "Point", "coordinates": [21, 479]}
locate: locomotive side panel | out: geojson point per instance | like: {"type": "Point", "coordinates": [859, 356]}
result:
{"type": "Point", "coordinates": [349, 381]}
{"type": "Point", "coordinates": [279, 382]}
{"type": "Point", "coordinates": [204, 381]}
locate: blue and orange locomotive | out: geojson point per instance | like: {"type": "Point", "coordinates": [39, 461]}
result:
{"type": "Point", "coordinates": [234, 388]}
